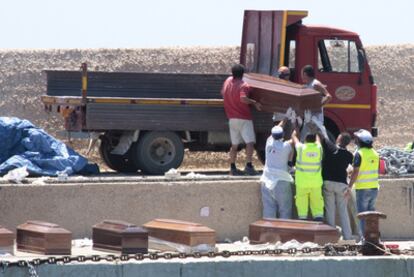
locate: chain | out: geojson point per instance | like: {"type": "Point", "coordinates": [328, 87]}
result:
{"type": "Point", "coordinates": [22, 263]}
{"type": "Point", "coordinates": [327, 250]}
{"type": "Point", "coordinates": [32, 270]}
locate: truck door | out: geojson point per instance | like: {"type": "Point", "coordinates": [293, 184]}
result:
{"type": "Point", "coordinates": [340, 66]}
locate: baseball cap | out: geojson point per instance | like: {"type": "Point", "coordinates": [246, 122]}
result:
{"type": "Point", "coordinates": [277, 132]}
{"type": "Point", "coordinates": [364, 135]}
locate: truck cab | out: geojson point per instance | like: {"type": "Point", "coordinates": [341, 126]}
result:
{"type": "Point", "coordinates": [275, 38]}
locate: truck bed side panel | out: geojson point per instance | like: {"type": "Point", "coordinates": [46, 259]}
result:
{"type": "Point", "coordinates": [164, 117]}
{"type": "Point", "coordinates": [136, 85]}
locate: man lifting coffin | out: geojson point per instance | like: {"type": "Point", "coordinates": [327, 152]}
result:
{"type": "Point", "coordinates": [237, 103]}
{"type": "Point", "coordinates": [276, 181]}
{"type": "Point", "coordinates": [310, 81]}
{"type": "Point", "coordinates": [308, 175]}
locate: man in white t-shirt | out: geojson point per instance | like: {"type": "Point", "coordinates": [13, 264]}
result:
{"type": "Point", "coordinates": [276, 181]}
{"type": "Point", "coordinates": [310, 81]}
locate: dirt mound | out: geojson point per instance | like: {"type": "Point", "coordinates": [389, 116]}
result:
{"type": "Point", "coordinates": [22, 83]}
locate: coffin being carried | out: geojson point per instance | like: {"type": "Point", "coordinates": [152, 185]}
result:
{"type": "Point", "coordinates": [277, 95]}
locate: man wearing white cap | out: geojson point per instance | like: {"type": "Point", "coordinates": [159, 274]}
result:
{"type": "Point", "coordinates": [276, 181]}
{"type": "Point", "coordinates": [365, 174]}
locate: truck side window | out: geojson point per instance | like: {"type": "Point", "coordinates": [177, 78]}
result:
{"type": "Point", "coordinates": [337, 55]}
{"type": "Point", "coordinates": [324, 64]}
{"type": "Point", "coordinates": [290, 57]}
{"type": "Point", "coordinates": [292, 54]}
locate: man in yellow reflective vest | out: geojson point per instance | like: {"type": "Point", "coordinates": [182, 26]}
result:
{"type": "Point", "coordinates": [308, 176]}
{"type": "Point", "coordinates": [365, 173]}
{"type": "Point", "coordinates": [409, 147]}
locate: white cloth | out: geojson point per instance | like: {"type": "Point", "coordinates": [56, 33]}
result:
{"type": "Point", "coordinates": [290, 114]}
{"type": "Point", "coordinates": [241, 130]}
{"type": "Point", "coordinates": [278, 117]}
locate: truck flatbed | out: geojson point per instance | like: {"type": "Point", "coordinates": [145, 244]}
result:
{"type": "Point", "coordinates": [136, 84]}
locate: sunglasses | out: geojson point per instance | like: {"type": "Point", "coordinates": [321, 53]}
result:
{"type": "Point", "coordinates": [283, 75]}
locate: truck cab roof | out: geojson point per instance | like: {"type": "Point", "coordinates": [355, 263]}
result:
{"type": "Point", "coordinates": [325, 30]}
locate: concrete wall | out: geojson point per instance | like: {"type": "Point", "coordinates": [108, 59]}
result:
{"type": "Point", "coordinates": [231, 204]}
{"type": "Point", "coordinates": [396, 200]}
{"type": "Point", "coordinates": [298, 267]}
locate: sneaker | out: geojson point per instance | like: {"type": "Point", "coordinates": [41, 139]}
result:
{"type": "Point", "coordinates": [250, 171]}
{"type": "Point", "coordinates": [236, 172]}
{"type": "Point", "coordinates": [318, 219]}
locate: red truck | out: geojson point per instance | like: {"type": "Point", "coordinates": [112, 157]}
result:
{"type": "Point", "coordinates": [146, 120]}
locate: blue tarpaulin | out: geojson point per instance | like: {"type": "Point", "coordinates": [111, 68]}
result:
{"type": "Point", "coordinates": [23, 144]}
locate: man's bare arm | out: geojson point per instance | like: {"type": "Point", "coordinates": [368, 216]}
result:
{"type": "Point", "coordinates": [295, 139]}
{"type": "Point", "coordinates": [318, 139]}
{"type": "Point", "coordinates": [354, 176]}
{"type": "Point", "coordinates": [326, 95]}
{"type": "Point", "coordinates": [282, 123]}
{"type": "Point", "coordinates": [249, 101]}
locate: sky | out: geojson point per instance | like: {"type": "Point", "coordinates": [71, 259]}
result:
{"type": "Point", "coordinates": [163, 23]}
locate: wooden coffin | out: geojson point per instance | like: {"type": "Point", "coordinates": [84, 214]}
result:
{"type": "Point", "coordinates": [273, 230]}
{"type": "Point", "coordinates": [181, 232]}
{"type": "Point", "coordinates": [119, 236]}
{"type": "Point", "coordinates": [278, 95]}
{"type": "Point", "coordinates": [44, 238]}
{"type": "Point", "coordinates": [6, 240]}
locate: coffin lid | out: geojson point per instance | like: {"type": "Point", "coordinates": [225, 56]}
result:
{"type": "Point", "coordinates": [119, 226]}
{"type": "Point", "coordinates": [4, 232]}
{"type": "Point", "coordinates": [291, 224]}
{"type": "Point", "coordinates": [371, 215]}
{"type": "Point", "coordinates": [272, 84]}
{"type": "Point", "coordinates": [177, 225]}
{"type": "Point", "coordinates": [42, 227]}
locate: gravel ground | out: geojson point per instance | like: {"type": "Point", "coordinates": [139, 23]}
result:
{"type": "Point", "coordinates": [22, 83]}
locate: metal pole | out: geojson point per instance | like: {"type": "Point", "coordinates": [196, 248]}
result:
{"type": "Point", "coordinates": [84, 68]}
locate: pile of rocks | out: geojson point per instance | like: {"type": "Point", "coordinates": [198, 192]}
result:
{"type": "Point", "coordinates": [398, 161]}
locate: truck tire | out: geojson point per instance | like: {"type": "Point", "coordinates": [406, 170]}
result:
{"type": "Point", "coordinates": [120, 163]}
{"type": "Point", "coordinates": [157, 152]}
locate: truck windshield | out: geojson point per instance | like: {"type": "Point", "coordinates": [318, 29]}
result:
{"type": "Point", "coordinates": [337, 55]}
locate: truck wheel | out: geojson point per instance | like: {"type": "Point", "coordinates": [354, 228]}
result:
{"type": "Point", "coordinates": [157, 152]}
{"type": "Point", "coordinates": [121, 163]}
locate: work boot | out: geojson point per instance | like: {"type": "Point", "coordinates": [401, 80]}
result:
{"type": "Point", "coordinates": [249, 170]}
{"type": "Point", "coordinates": [236, 172]}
